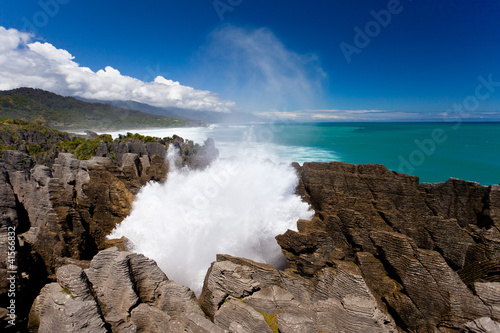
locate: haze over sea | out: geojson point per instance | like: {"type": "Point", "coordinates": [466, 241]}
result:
{"type": "Point", "coordinates": [432, 151]}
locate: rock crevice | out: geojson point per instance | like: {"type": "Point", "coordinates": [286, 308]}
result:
{"type": "Point", "coordinates": [383, 253]}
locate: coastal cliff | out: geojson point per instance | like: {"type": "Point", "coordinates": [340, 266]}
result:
{"type": "Point", "coordinates": [383, 252]}
{"type": "Point", "coordinates": [61, 208]}
{"type": "Point", "coordinates": [429, 253]}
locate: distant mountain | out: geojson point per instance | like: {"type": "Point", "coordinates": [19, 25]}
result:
{"type": "Point", "coordinates": [208, 116]}
{"type": "Point", "coordinates": [70, 113]}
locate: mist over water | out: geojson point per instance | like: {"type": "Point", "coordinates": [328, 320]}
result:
{"type": "Point", "coordinates": [242, 201]}
{"type": "Point", "coordinates": [265, 140]}
{"type": "Point", "coordinates": [235, 206]}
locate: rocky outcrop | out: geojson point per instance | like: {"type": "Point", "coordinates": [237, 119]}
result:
{"type": "Point", "coordinates": [62, 214]}
{"type": "Point", "coordinates": [482, 325]}
{"type": "Point", "coordinates": [242, 295]}
{"type": "Point", "coordinates": [126, 292]}
{"type": "Point", "coordinates": [383, 253]}
{"type": "Point", "coordinates": [119, 292]}
{"type": "Point", "coordinates": [429, 253]}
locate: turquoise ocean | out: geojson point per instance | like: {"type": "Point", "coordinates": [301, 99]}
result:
{"type": "Point", "coordinates": [432, 151]}
{"type": "Point", "coordinates": [241, 201]}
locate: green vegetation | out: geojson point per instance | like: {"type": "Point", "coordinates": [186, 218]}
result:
{"type": "Point", "coordinates": [239, 299]}
{"type": "Point", "coordinates": [137, 136]}
{"type": "Point", "coordinates": [5, 147]}
{"type": "Point", "coordinates": [86, 149]}
{"type": "Point", "coordinates": [82, 148]}
{"type": "Point", "coordinates": [46, 108]}
{"type": "Point", "coordinates": [145, 138]}
{"type": "Point", "coordinates": [43, 143]}
{"type": "Point", "coordinates": [272, 320]}
{"type": "Point", "coordinates": [11, 125]}
{"type": "Point", "coordinates": [67, 291]}
{"type": "Point", "coordinates": [15, 133]}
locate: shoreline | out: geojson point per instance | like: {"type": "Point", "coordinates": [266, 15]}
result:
{"type": "Point", "coordinates": [335, 247]}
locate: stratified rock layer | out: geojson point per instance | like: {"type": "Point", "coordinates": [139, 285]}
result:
{"type": "Point", "coordinates": [62, 214]}
{"type": "Point", "coordinates": [119, 292]}
{"type": "Point", "coordinates": [383, 253]}
{"type": "Point", "coordinates": [242, 295]}
{"type": "Point", "coordinates": [429, 253]}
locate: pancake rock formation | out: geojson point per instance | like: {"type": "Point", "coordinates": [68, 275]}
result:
{"type": "Point", "coordinates": [383, 253]}
{"type": "Point", "coordinates": [61, 213]}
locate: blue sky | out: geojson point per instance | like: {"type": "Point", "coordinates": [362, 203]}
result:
{"type": "Point", "coordinates": [281, 57]}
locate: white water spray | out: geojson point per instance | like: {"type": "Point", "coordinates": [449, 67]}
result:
{"type": "Point", "coordinates": [235, 206]}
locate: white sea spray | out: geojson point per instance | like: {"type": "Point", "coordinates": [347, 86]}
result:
{"type": "Point", "coordinates": [235, 206]}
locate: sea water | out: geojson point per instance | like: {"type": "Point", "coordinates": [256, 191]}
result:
{"type": "Point", "coordinates": [432, 151]}
{"type": "Point", "coordinates": [246, 197]}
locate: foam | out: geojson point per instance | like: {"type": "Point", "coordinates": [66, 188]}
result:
{"type": "Point", "coordinates": [235, 206]}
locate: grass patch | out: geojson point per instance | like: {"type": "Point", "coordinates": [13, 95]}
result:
{"type": "Point", "coordinates": [272, 320]}
{"type": "Point", "coordinates": [68, 292]}
{"type": "Point", "coordinates": [239, 299]}
{"type": "Point", "coordinates": [5, 147]}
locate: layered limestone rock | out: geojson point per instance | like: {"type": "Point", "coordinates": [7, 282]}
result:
{"type": "Point", "coordinates": [119, 292]}
{"type": "Point", "coordinates": [62, 213]}
{"type": "Point", "coordinates": [241, 296]}
{"type": "Point", "coordinates": [126, 292]}
{"type": "Point", "coordinates": [429, 253]}
{"type": "Point", "coordinates": [482, 325]}
{"type": "Point", "coordinates": [383, 253]}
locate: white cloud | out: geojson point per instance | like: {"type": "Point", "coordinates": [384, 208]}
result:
{"type": "Point", "coordinates": [48, 51]}
{"type": "Point", "coordinates": [373, 115]}
{"type": "Point", "coordinates": [42, 65]}
{"type": "Point", "coordinates": [9, 39]}
{"type": "Point", "coordinates": [349, 115]}
{"type": "Point", "coordinates": [256, 69]}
